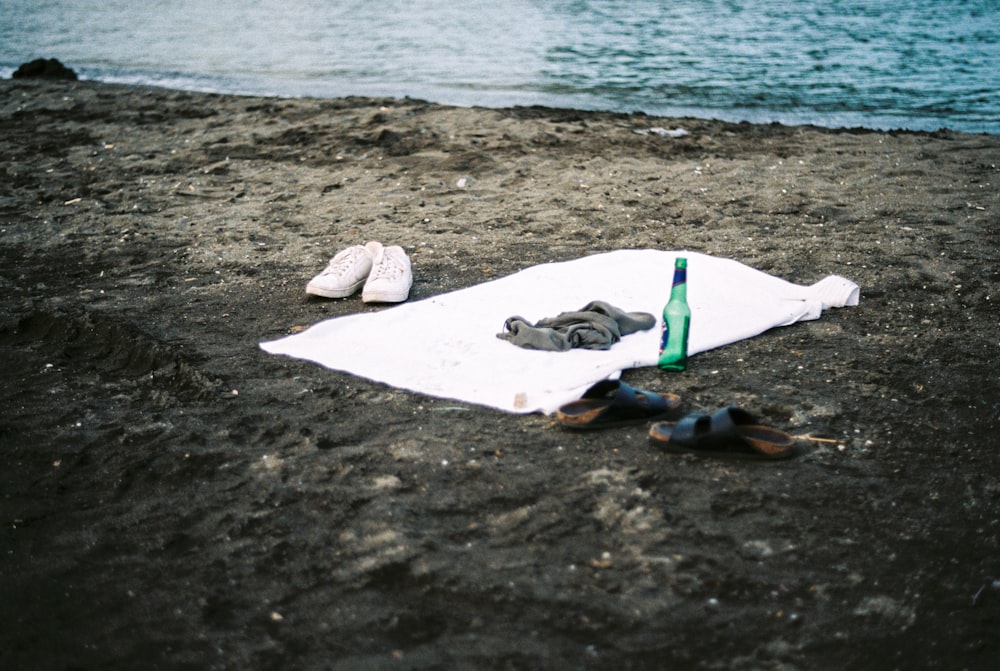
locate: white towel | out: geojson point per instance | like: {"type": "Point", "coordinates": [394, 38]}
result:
{"type": "Point", "coordinates": [446, 345]}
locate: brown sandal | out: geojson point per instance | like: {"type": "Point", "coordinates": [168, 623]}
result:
{"type": "Point", "coordinates": [614, 403]}
{"type": "Point", "coordinates": [730, 432]}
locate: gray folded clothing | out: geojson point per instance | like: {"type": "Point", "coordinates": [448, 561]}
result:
{"type": "Point", "coordinates": [597, 325]}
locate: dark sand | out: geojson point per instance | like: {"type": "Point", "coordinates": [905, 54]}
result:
{"type": "Point", "coordinates": [173, 497]}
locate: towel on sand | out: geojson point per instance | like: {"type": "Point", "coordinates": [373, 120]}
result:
{"type": "Point", "coordinates": [446, 345]}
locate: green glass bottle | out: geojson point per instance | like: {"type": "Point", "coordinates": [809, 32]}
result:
{"type": "Point", "coordinates": [676, 322]}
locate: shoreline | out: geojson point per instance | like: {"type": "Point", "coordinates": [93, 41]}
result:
{"type": "Point", "coordinates": [176, 497]}
{"type": "Point", "coordinates": [549, 101]}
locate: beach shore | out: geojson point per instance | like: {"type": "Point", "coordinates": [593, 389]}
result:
{"type": "Point", "coordinates": [174, 497]}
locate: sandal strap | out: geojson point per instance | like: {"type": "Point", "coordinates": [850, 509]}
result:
{"type": "Point", "coordinates": [690, 430]}
{"type": "Point", "coordinates": [628, 401]}
{"type": "Point", "coordinates": [724, 433]}
{"type": "Point", "coordinates": [730, 417]}
{"type": "Point", "coordinates": [714, 432]}
{"type": "Point", "coordinates": [603, 389]}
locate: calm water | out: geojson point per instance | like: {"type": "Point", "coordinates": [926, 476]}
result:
{"type": "Point", "coordinates": [916, 64]}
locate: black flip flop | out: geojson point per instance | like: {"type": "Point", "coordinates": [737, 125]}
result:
{"type": "Point", "coordinates": [730, 432]}
{"type": "Point", "coordinates": [614, 403]}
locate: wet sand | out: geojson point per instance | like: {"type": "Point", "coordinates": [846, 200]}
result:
{"type": "Point", "coordinates": [173, 497]}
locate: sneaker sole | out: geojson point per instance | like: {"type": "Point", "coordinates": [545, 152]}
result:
{"type": "Point", "coordinates": [385, 297]}
{"type": "Point", "coordinates": [333, 293]}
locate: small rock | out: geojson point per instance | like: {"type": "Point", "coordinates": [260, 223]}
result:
{"type": "Point", "coordinates": [387, 483]}
{"type": "Point", "coordinates": [44, 68]}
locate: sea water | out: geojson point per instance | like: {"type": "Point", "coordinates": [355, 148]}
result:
{"type": "Point", "coordinates": [884, 64]}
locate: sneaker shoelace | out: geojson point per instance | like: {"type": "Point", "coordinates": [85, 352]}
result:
{"type": "Point", "coordinates": [339, 267]}
{"type": "Point", "coordinates": [386, 268]}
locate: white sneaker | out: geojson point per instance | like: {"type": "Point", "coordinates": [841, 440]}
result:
{"type": "Point", "coordinates": [391, 277]}
{"type": "Point", "coordinates": [346, 272]}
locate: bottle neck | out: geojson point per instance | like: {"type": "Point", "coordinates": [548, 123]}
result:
{"type": "Point", "coordinates": [679, 288]}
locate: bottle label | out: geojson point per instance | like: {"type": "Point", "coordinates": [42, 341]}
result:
{"type": "Point", "coordinates": [680, 276]}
